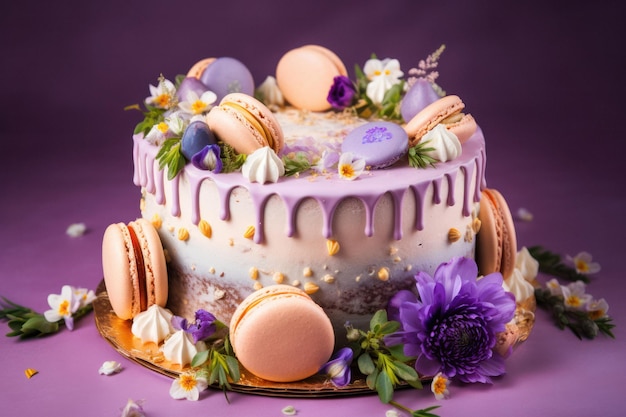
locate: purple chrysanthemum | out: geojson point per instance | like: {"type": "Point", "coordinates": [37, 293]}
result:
{"type": "Point", "coordinates": [341, 93]}
{"type": "Point", "coordinates": [451, 328]}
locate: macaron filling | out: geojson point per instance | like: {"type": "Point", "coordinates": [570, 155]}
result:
{"type": "Point", "coordinates": [141, 269]}
{"type": "Point", "coordinates": [254, 121]}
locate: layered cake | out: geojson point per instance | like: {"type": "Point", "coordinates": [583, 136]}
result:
{"type": "Point", "coordinates": [306, 205]}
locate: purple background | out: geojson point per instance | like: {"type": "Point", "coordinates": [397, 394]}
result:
{"type": "Point", "coordinates": [544, 82]}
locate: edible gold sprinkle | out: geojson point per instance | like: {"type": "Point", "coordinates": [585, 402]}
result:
{"type": "Point", "coordinates": [254, 273]}
{"type": "Point", "coordinates": [397, 259]}
{"type": "Point", "coordinates": [332, 246]}
{"type": "Point", "coordinates": [183, 234]}
{"type": "Point", "coordinates": [168, 258]}
{"type": "Point", "coordinates": [219, 294]}
{"type": "Point", "coordinates": [30, 372]}
{"type": "Point", "coordinates": [278, 277]}
{"type": "Point", "coordinates": [393, 250]}
{"type": "Point", "coordinates": [142, 204]}
{"type": "Point", "coordinates": [205, 228]}
{"type": "Point", "coordinates": [329, 279]}
{"type": "Point", "coordinates": [358, 278]}
{"type": "Point", "coordinates": [171, 229]}
{"type": "Point", "coordinates": [156, 221]}
{"type": "Point", "coordinates": [453, 235]}
{"type": "Point", "coordinates": [383, 274]}
{"type": "Point", "coordinates": [476, 225]}
{"type": "Point", "coordinates": [408, 268]}
{"type": "Point", "coordinates": [257, 285]}
{"type": "Point", "coordinates": [295, 283]}
{"type": "Point", "coordinates": [307, 272]}
{"type": "Point", "coordinates": [212, 270]}
{"type": "Point", "coordinates": [231, 242]}
{"type": "Point", "coordinates": [311, 288]}
{"type": "Point", "coordinates": [249, 233]}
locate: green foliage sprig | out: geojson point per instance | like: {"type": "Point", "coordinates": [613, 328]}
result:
{"type": "Point", "coordinates": [231, 160]}
{"type": "Point", "coordinates": [296, 164]}
{"type": "Point", "coordinates": [384, 367]}
{"type": "Point", "coordinates": [418, 155]}
{"type": "Point", "coordinates": [25, 322]}
{"type": "Point", "coordinates": [218, 364]}
{"type": "Point", "coordinates": [550, 263]}
{"type": "Point", "coordinates": [578, 321]}
{"type": "Point", "coordinates": [170, 156]}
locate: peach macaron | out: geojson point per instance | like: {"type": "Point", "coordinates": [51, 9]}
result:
{"type": "Point", "coordinates": [245, 123]}
{"type": "Point", "coordinates": [280, 334]}
{"type": "Point", "coordinates": [447, 110]}
{"type": "Point", "coordinates": [496, 244]}
{"type": "Point", "coordinates": [135, 272]}
{"type": "Point", "coordinates": [306, 74]}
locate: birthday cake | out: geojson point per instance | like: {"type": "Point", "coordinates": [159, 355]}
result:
{"type": "Point", "coordinates": [311, 186]}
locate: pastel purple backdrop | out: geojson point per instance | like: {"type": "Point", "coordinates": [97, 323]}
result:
{"type": "Point", "coordinates": [544, 81]}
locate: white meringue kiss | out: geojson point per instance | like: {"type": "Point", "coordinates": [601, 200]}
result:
{"type": "Point", "coordinates": [445, 143]}
{"type": "Point", "coordinates": [179, 348]}
{"type": "Point", "coordinates": [518, 286]}
{"type": "Point", "coordinates": [153, 325]}
{"type": "Point", "coordinates": [263, 165]}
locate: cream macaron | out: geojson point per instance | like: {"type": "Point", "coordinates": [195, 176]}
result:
{"type": "Point", "coordinates": [496, 243]}
{"type": "Point", "coordinates": [448, 111]}
{"type": "Point", "coordinates": [245, 123]}
{"type": "Point", "coordinates": [280, 334]}
{"type": "Point", "coordinates": [306, 74]}
{"type": "Point", "coordinates": [135, 272]}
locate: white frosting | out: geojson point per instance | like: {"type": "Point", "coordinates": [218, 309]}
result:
{"type": "Point", "coordinates": [153, 325]}
{"type": "Point", "coordinates": [518, 286]}
{"type": "Point", "coordinates": [270, 93]}
{"type": "Point", "coordinates": [179, 348]}
{"type": "Point", "coordinates": [445, 143]}
{"type": "Point", "coordinates": [263, 165]}
{"type": "Point", "coordinates": [528, 266]}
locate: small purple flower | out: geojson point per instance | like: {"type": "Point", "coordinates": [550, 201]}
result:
{"type": "Point", "coordinates": [201, 329]}
{"type": "Point", "coordinates": [338, 368]}
{"type": "Point", "coordinates": [341, 93]}
{"type": "Point", "coordinates": [208, 159]}
{"type": "Point", "coordinates": [452, 326]}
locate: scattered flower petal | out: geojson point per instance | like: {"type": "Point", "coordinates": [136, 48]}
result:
{"type": "Point", "coordinates": [524, 215]}
{"type": "Point", "coordinates": [30, 372]}
{"type": "Point", "coordinates": [392, 413]}
{"type": "Point", "coordinates": [110, 368]}
{"type": "Point", "coordinates": [76, 229]}
{"type": "Point", "coordinates": [290, 410]}
{"type": "Point", "coordinates": [554, 287]}
{"type": "Point", "coordinates": [439, 387]}
{"type": "Point", "coordinates": [133, 409]}
{"type": "Point", "coordinates": [188, 385]}
{"type": "Point", "coordinates": [583, 263]}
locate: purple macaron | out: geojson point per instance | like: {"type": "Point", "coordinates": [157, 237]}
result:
{"type": "Point", "coordinates": [227, 75]}
{"type": "Point", "coordinates": [379, 144]}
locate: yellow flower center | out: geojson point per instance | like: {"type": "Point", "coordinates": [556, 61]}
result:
{"type": "Point", "coordinates": [596, 314]}
{"type": "Point", "coordinates": [64, 309]}
{"type": "Point", "coordinates": [377, 73]}
{"type": "Point", "coordinates": [574, 301]}
{"type": "Point", "coordinates": [163, 127]}
{"type": "Point", "coordinates": [188, 382]}
{"type": "Point", "coordinates": [439, 385]}
{"type": "Point", "coordinates": [387, 72]}
{"type": "Point", "coordinates": [198, 106]}
{"type": "Point", "coordinates": [163, 100]}
{"type": "Point", "coordinates": [582, 266]}
{"type": "Point", "coordinates": [346, 171]}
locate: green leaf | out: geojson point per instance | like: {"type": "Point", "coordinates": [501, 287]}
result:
{"type": "Point", "coordinates": [418, 157]}
{"type": "Point", "coordinates": [425, 412]}
{"type": "Point", "coordinates": [366, 364]}
{"type": "Point", "coordinates": [200, 358]}
{"type": "Point", "coordinates": [378, 319]}
{"type": "Point", "coordinates": [371, 379]}
{"type": "Point", "coordinates": [384, 387]}
{"type": "Point", "coordinates": [41, 325]}
{"type": "Point", "coordinates": [296, 164]}
{"type": "Point", "coordinates": [233, 368]}
{"type": "Point", "coordinates": [397, 352]}
{"type": "Point", "coordinates": [550, 263]}
{"type": "Point", "coordinates": [389, 327]}
{"type": "Point", "coordinates": [405, 372]}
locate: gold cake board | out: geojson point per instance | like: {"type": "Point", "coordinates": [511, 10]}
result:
{"type": "Point", "coordinates": [118, 333]}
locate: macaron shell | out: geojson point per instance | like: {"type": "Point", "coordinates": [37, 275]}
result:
{"type": "Point", "coordinates": [281, 336]}
{"type": "Point", "coordinates": [120, 271]}
{"type": "Point", "coordinates": [233, 128]}
{"type": "Point", "coordinates": [464, 128]}
{"type": "Point", "coordinates": [227, 75]}
{"type": "Point", "coordinates": [198, 68]}
{"type": "Point", "coordinates": [305, 76]}
{"type": "Point", "coordinates": [154, 261]}
{"type": "Point", "coordinates": [379, 143]}
{"type": "Point", "coordinates": [496, 245]}
{"type": "Point", "coordinates": [431, 116]}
